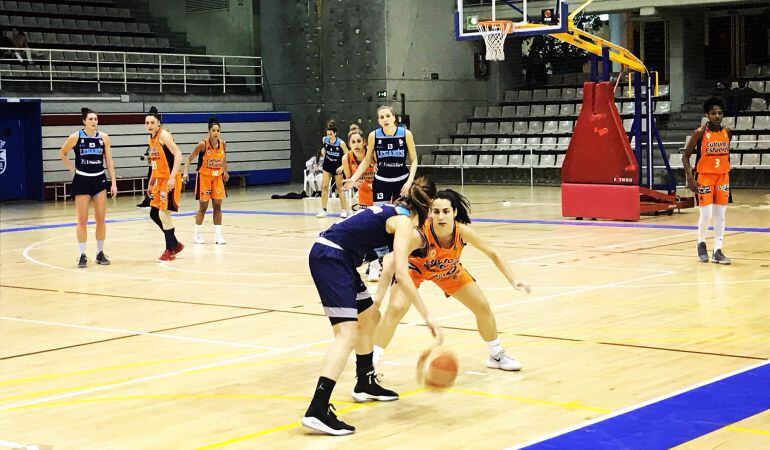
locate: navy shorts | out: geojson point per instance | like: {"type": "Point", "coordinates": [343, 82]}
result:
{"type": "Point", "coordinates": [331, 166]}
{"type": "Point", "coordinates": [92, 186]}
{"type": "Point", "coordinates": [343, 293]}
{"type": "Point", "coordinates": [387, 191]}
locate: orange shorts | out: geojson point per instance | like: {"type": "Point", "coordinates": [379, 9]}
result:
{"type": "Point", "coordinates": [365, 196]}
{"type": "Point", "coordinates": [208, 187]}
{"type": "Point", "coordinates": [713, 188]}
{"type": "Point", "coordinates": [160, 195]}
{"type": "Point", "coordinates": [449, 282]}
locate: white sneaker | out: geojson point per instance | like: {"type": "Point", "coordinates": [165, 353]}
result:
{"type": "Point", "coordinates": [343, 214]}
{"type": "Point", "coordinates": [321, 213]}
{"type": "Point", "coordinates": [374, 270]}
{"type": "Point", "coordinates": [198, 239]}
{"type": "Point", "coordinates": [218, 239]}
{"type": "Point", "coordinates": [503, 362]}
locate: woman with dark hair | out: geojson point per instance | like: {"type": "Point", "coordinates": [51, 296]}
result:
{"type": "Point", "coordinates": [165, 183]}
{"type": "Point", "coordinates": [211, 179]}
{"type": "Point", "coordinates": [334, 149]}
{"type": "Point", "coordinates": [334, 260]}
{"type": "Point", "coordinates": [448, 231]}
{"type": "Point", "coordinates": [92, 151]}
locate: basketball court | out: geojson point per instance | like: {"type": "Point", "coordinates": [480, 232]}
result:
{"type": "Point", "coordinates": [220, 346]}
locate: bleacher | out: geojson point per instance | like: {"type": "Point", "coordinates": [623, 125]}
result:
{"type": "Point", "coordinates": [532, 128]}
{"type": "Point", "coordinates": [79, 45]}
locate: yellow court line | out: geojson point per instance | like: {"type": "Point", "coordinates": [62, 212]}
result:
{"type": "Point", "coordinates": [747, 430]}
{"type": "Point", "coordinates": [573, 405]}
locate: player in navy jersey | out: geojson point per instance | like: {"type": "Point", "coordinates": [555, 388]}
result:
{"type": "Point", "coordinates": [334, 149]}
{"type": "Point", "coordinates": [389, 147]}
{"type": "Point", "coordinates": [334, 260]}
{"type": "Point", "coordinates": [92, 151]}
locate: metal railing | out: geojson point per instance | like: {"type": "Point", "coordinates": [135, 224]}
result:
{"type": "Point", "coordinates": [113, 68]}
{"type": "Point", "coordinates": [529, 148]}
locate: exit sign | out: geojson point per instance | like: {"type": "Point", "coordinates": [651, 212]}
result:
{"type": "Point", "coordinates": [382, 94]}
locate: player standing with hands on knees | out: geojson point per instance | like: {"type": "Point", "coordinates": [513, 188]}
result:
{"type": "Point", "coordinates": [711, 181]}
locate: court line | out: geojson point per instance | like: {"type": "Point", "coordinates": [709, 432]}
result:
{"type": "Point", "coordinates": [164, 375]}
{"type": "Point", "coordinates": [134, 333]}
{"type": "Point", "coordinates": [637, 424]}
{"type": "Point", "coordinates": [479, 219]}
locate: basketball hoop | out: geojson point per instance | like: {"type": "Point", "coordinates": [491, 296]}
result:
{"type": "Point", "coordinates": [494, 33]}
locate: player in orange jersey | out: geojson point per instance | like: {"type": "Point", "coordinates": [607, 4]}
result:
{"type": "Point", "coordinates": [211, 179]}
{"type": "Point", "coordinates": [711, 181]}
{"type": "Point", "coordinates": [165, 182]}
{"type": "Point", "coordinates": [350, 163]}
{"type": "Point", "coordinates": [448, 231]}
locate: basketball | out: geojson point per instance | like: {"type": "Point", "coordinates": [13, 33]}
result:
{"type": "Point", "coordinates": [437, 368]}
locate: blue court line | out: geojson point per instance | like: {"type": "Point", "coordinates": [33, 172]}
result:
{"type": "Point", "coordinates": [576, 223]}
{"type": "Point", "coordinates": [677, 418]}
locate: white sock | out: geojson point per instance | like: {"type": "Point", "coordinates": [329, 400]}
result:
{"type": "Point", "coordinates": [495, 347]}
{"type": "Point", "coordinates": [377, 354]}
{"type": "Point", "coordinates": [82, 247]}
{"type": "Point", "coordinates": [99, 246]}
{"type": "Point", "coordinates": [703, 222]}
{"type": "Point", "coordinates": [198, 228]}
{"type": "Point", "coordinates": [218, 230]}
{"type": "Point", "coordinates": [719, 226]}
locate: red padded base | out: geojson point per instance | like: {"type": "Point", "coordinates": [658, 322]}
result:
{"type": "Point", "coordinates": [600, 201]}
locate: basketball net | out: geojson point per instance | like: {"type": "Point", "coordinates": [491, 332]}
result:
{"type": "Point", "coordinates": [494, 33]}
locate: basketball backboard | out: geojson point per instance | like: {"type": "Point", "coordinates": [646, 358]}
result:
{"type": "Point", "coordinates": [531, 18]}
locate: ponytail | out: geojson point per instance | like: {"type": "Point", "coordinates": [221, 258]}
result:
{"type": "Point", "coordinates": [331, 126]}
{"type": "Point", "coordinates": [84, 112]}
{"type": "Point", "coordinates": [421, 194]}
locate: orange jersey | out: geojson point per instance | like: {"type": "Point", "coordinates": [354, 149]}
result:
{"type": "Point", "coordinates": [212, 159]}
{"type": "Point", "coordinates": [365, 194]}
{"type": "Point", "coordinates": [439, 263]}
{"type": "Point", "coordinates": [714, 154]}
{"type": "Point", "coordinates": [161, 158]}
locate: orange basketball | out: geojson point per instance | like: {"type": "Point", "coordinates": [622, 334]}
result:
{"type": "Point", "coordinates": [437, 368]}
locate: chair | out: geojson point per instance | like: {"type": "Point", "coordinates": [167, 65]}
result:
{"type": "Point", "coordinates": [506, 128]}
{"type": "Point", "coordinates": [537, 111]}
{"type": "Point", "coordinates": [491, 128]}
{"type": "Point", "coordinates": [427, 160]}
{"type": "Point", "coordinates": [500, 160]}
{"type": "Point", "coordinates": [463, 128]}
{"type": "Point", "coordinates": [477, 127]}
{"type": "Point", "coordinates": [551, 126]}
{"type": "Point", "coordinates": [511, 96]}
{"type": "Point", "coordinates": [485, 160]}
{"type": "Point", "coordinates": [567, 109]}
{"type": "Point", "coordinates": [479, 112]}
{"type": "Point", "coordinates": [525, 96]}
{"type": "Point", "coordinates": [551, 110]}
{"type": "Point", "coordinates": [744, 123]}
{"type": "Point", "coordinates": [493, 112]}
{"type": "Point", "coordinates": [535, 127]}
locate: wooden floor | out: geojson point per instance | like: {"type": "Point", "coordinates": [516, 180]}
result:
{"type": "Point", "coordinates": [221, 348]}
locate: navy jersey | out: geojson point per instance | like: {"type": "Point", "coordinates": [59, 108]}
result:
{"type": "Point", "coordinates": [365, 231]}
{"type": "Point", "coordinates": [332, 154]}
{"type": "Point", "coordinates": [89, 153]}
{"type": "Point", "coordinates": [390, 152]}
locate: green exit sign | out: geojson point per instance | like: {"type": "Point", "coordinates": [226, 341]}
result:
{"type": "Point", "coordinates": [382, 94]}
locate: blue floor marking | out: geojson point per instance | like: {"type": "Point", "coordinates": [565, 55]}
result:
{"type": "Point", "coordinates": [480, 220]}
{"type": "Point", "coordinates": [674, 420]}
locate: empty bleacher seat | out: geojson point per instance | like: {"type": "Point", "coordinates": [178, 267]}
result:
{"type": "Point", "coordinates": [663, 107]}
{"type": "Point", "coordinates": [728, 122]}
{"type": "Point", "coordinates": [549, 144]}
{"type": "Point", "coordinates": [525, 96]}
{"type": "Point", "coordinates": [663, 90]}
{"type": "Point", "coordinates": [551, 126]}
{"type": "Point", "coordinates": [480, 112]}
{"type": "Point", "coordinates": [553, 94]}
{"type": "Point", "coordinates": [563, 143]}
{"type": "Point", "coordinates": [509, 111]}
{"type": "Point", "coordinates": [477, 127]}
{"type": "Point", "coordinates": [518, 143]}
{"type": "Point", "coordinates": [491, 128]}
{"type": "Point", "coordinates": [473, 144]}
{"type": "Point", "coordinates": [551, 110]}
{"type": "Point", "coordinates": [493, 112]}
{"type": "Point", "coordinates": [470, 160]}
{"type": "Point", "coordinates": [504, 144]}
{"type": "Point", "coordinates": [535, 127]}
{"type": "Point", "coordinates": [747, 142]}
{"type": "Point", "coordinates": [750, 160]}
{"type": "Point", "coordinates": [511, 96]}
{"type": "Point", "coordinates": [547, 161]}
{"type": "Point", "coordinates": [568, 93]}
{"type": "Point", "coordinates": [533, 144]}
{"type": "Point", "coordinates": [529, 160]}
{"type": "Point", "coordinates": [460, 143]}
{"type": "Point", "coordinates": [765, 161]}
{"type": "Point", "coordinates": [539, 94]}
{"type": "Point", "coordinates": [520, 127]}
{"type": "Point", "coordinates": [427, 160]}
{"type": "Point", "coordinates": [567, 109]}
{"type": "Point", "coordinates": [537, 111]}
{"type": "Point", "coordinates": [442, 160]}
{"type": "Point", "coordinates": [522, 111]}
{"type": "Point", "coordinates": [488, 144]}
{"type": "Point", "coordinates": [675, 160]}
{"type": "Point", "coordinates": [762, 123]}
{"type": "Point", "coordinates": [463, 128]}
{"type": "Point", "coordinates": [744, 123]}
{"type": "Point", "coordinates": [516, 160]}
{"type": "Point", "coordinates": [559, 160]}
{"type": "Point", "coordinates": [758, 104]}
{"type": "Point", "coordinates": [758, 86]}
{"type": "Point", "coordinates": [764, 141]}
{"type": "Point", "coordinates": [500, 160]}
{"type": "Point", "coordinates": [455, 160]}
{"type": "Point", "coordinates": [485, 160]}
{"type": "Point", "coordinates": [506, 128]}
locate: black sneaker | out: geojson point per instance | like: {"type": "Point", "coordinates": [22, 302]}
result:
{"type": "Point", "coordinates": [327, 423]}
{"type": "Point", "coordinates": [101, 258]}
{"type": "Point", "coordinates": [82, 261]}
{"type": "Point", "coordinates": [720, 258]}
{"type": "Point", "coordinates": [145, 203]}
{"type": "Point", "coordinates": [369, 388]}
{"type": "Point", "coordinates": [703, 254]}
